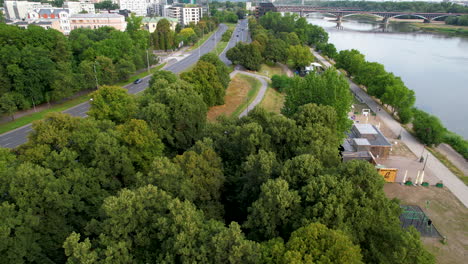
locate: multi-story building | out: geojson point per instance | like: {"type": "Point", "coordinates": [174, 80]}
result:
{"type": "Point", "coordinates": [139, 7]}
{"type": "Point", "coordinates": [95, 21]}
{"type": "Point", "coordinates": [185, 14]}
{"type": "Point", "coordinates": [18, 10]}
{"type": "Point", "coordinates": [79, 7]}
{"type": "Point", "coordinates": [52, 14]}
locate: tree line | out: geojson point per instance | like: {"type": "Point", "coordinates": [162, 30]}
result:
{"type": "Point", "coordinates": [147, 179]}
{"type": "Point", "coordinates": [277, 38]}
{"type": "Point", "coordinates": [385, 86]}
{"type": "Point", "coordinates": [458, 21]}
{"type": "Point", "coordinates": [165, 38]}
{"type": "Point", "coordinates": [39, 65]}
{"type": "Point", "coordinates": [387, 6]}
{"type": "Point", "coordinates": [392, 91]}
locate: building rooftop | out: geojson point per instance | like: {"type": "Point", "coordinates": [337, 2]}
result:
{"type": "Point", "coordinates": [156, 19]}
{"type": "Point", "coordinates": [366, 129]}
{"type": "Point", "coordinates": [49, 11]}
{"type": "Point", "coordinates": [361, 142]}
{"type": "Point", "coordinates": [101, 15]}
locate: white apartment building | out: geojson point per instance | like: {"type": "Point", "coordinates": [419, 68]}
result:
{"type": "Point", "coordinates": [77, 7]}
{"type": "Point", "coordinates": [52, 14]}
{"type": "Point", "coordinates": [139, 7]}
{"type": "Point", "coordinates": [185, 15]}
{"type": "Point", "coordinates": [18, 10]}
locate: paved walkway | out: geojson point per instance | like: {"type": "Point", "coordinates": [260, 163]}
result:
{"type": "Point", "coordinates": [453, 183]}
{"type": "Point", "coordinates": [260, 94]}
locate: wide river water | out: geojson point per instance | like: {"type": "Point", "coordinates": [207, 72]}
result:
{"type": "Point", "coordinates": [434, 66]}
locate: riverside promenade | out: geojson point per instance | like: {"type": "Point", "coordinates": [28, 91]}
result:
{"type": "Point", "coordinates": [450, 180]}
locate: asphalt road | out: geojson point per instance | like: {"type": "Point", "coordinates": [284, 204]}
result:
{"type": "Point", "coordinates": [18, 136]}
{"type": "Point", "coordinates": [241, 33]}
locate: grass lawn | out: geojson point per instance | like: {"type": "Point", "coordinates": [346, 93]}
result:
{"type": "Point", "coordinates": [454, 169]}
{"type": "Point", "coordinates": [448, 215]}
{"type": "Point", "coordinates": [40, 115]}
{"type": "Point", "coordinates": [273, 101]}
{"type": "Point", "coordinates": [241, 91]}
{"type": "Point", "coordinates": [269, 71]}
{"type": "Point", "coordinates": [64, 106]}
{"type": "Point", "coordinates": [219, 47]}
{"type": "Point", "coordinates": [443, 28]}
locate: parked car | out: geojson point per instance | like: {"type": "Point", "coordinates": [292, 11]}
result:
{"type": "Point", "coordinates": [137, 81]}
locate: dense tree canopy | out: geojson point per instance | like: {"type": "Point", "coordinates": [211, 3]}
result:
{"type": "Point", "coordinates": [40, 65]}
{"type": "Point", "coordinates": [329, 88]}
{"type": "Point", "coordinates": [147, 179]}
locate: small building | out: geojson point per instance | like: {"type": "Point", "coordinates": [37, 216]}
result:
{"type": "Point", "coordinates": [150, 23]}
{"type": "Point", "coordinates": [52, 14]}
{"type": "Point", "coordinates": [365, 142]}
{"type": "Point", "coordinates": [94, 21]}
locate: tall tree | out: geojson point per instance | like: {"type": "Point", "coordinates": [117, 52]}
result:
{"type": "Point", "coordinates": [112, 103]}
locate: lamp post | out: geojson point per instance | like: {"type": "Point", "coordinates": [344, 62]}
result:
{"type": "Point", "coordinates": [95, 74]}
{"type": "Point", "coordinates": [427, 156]}
{"type": "Point", "coordinates": [422, 159]}
{"type": "Point", "coordinates": [147, 60]}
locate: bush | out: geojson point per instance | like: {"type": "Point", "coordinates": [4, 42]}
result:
{"type": "Point", "coordinates": [428, 128]}
{"type": "Point", "coordinates": [280, 82]}
{"type": "Point", "coordinates": [457, 142]}
{"type": "Point", "coordinates": [405, 115]}
{"type": "Point", "coordinates": [226, 35]}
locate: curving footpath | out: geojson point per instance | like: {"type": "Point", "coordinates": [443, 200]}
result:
{"type": "Point", "coordinates": [453, 183]}
{"type": "Point", "coordinates": [260, 94]}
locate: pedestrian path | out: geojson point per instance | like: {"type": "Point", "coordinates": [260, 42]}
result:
{"type": "Point", "coordinates": [261, 93]}
{"type": "Point", "coordinates": [450, 180]}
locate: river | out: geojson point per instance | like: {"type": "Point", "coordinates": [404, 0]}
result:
{"type": "Point", "coordinates": [433, 65]}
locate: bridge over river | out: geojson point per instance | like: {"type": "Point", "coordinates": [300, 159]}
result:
{"type": "Point", "coordinates": [341, 12]}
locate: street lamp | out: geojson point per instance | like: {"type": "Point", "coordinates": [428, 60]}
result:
{"type": "Point", "coordinates": [95, 74]}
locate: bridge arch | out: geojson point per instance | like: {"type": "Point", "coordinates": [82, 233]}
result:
{"type": "Point", "coordinates": [414, 15]}
{"type": "Point", "coordinates": [363, 13]}
{"type": "Point", "coordinates": [446, 15]}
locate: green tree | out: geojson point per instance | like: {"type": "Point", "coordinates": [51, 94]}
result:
{"type": "Point", "coordinates": [350, 60]}
{"type": "Point", "coordinates": [206, 81]}
{"type": "Point", "coordinates": [170, 77]}
{"type": "Point", "coordinates": [7, 105]}
{"type": "Point", "coordinates": [271, 215]}
{"type": "Point", "coordinates": [133, 24]}
{"type": "Point", "coordinates": [277, 50]}
{"type": "Point", "coordinates": [221, 68]}
{"type": "Point", "coordinates": [124, 69]}
{"type": "Point", "coordinates": [188, 36]}
{"type": "Point", "coordinates": [163, 36]}
{"type": "Point", "coordinates": [315, 243]}
{"type": "Point", "coordinates": [329, 88]}
{"type": "Point", "coordinates": [19, 242]}
{"type": "Point", "coordinates": [175, 111]}
{"type": "Point", "coordinates": [428, 128]}
{"type": "Point", "coordinates": [112, 103]}
{"type": "Point", "coordinates": [247, 55]}
{"type": "Point", "coordinates": [300, 56]}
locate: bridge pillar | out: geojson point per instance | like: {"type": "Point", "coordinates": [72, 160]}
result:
{"type": "Point", "coordinates": [339, 18]}
{"type": "Point", "coordinates": [426, 20]}
{"type": "Point", "coordinates": [385, 20]}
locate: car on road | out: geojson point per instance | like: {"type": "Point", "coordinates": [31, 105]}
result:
{"type": "Point", "coordinates": [137, 81]}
